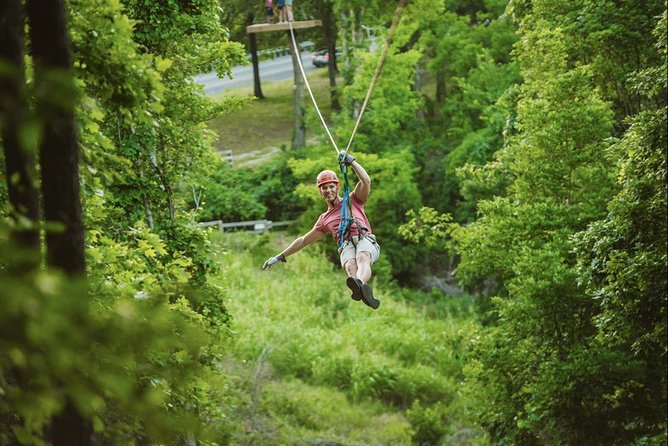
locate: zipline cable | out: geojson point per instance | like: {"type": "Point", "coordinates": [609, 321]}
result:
{"type": "Point", "coordinates": [388, 41]}
{"type": "Point", "coordinates": [379, 66]}
{"type": "Point", "coordinates": [297, 55]}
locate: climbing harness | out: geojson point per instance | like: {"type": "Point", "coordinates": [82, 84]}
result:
{"type": "Point", "coordinates": [347, 219]}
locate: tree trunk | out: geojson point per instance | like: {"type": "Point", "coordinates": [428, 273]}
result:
{"type": "Point", "coordinates": [59, 156]}
{"type": "Point", "coordinates": [346, 50]}
{"type": "Point", "coordinates": [299, 130]}
{"type": "Point", "coordinates": [164, 180]}
{"type": "Point", "coordinates": [19, 160]}
{"type": "Point", "coordinates": [252, 43]}
{"type": "Point", "coordinates": [59, 149]}
{"type": "Point", "coordinates": [419, 72]}
{"type": "Point", "coordinates": [440, 91]}
{"type": "Point", "coordinates": [330, 32]}
{"type": "Point", "coordinates": [417, 87]}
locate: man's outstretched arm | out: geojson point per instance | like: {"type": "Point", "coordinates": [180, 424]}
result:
{"type": "Point", "coordinates": [300, 242]}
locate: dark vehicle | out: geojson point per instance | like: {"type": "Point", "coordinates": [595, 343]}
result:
{"type": "Point", "coordinates": [321, 58]}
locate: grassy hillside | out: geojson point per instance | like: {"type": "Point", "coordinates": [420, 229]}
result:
{"type": "Point", "coordinates": [265, 126]}
{"type": "Point", "coordinates": [311, 366]}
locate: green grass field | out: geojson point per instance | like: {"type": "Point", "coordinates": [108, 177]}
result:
{"type": "Point", "coordinates": [311, 366]}
{"type": "Point", "coordinates": [263, 127]}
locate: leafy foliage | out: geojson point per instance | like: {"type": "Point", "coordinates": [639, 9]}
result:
{"type": "Point", "coordinates": [622, 261]}
{"type": "Point", "coordinates": [571, 343]}
{"type": "Point", "coordinates": [239, 194]}
{"type": "Point", "coordinates": [469, 46]}
{"type": "Point", "coordinates": [229, 196]}
{"type": "Point", "coordinates": [138, 357]}
{"type": "Point", "coordinates": [129, 365]}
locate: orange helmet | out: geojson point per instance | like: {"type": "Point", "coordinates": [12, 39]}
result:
{"type": "Point", "coordinates": [326, 176]}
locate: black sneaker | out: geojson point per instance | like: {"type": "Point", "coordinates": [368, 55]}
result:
{"type": "Point", "coordinates": [367, 296]}
{"type": "Point", "coordinates": [355, 287]}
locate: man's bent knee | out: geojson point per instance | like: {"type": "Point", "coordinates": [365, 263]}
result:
{"type": "Point", "coordinates": [351, 267]}
{"type": "Point", "coordinates": [364, 257]}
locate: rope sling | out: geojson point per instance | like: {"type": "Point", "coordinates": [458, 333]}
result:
{"type": "Point", "coordinates": [346, 215]}
{"type": "Point", "coordinates": [347, 218]}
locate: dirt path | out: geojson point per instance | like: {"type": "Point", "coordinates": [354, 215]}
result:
{"type": "Point", "coordinates": [255, 157]}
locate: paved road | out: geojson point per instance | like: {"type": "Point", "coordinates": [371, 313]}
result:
{"type": "Point", "coordinates": [276, 69]}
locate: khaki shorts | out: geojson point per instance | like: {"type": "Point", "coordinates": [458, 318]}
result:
{"type": "Point", "coordinates": [368, 244]}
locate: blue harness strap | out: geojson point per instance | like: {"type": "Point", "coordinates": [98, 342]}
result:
{"type": "Point", "coordinates": [346, 211]}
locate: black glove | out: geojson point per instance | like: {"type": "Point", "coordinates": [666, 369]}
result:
{"type": "Point", "coordinates": [273, 260]}
{"type": "Point", "coordinates": [345, 157]}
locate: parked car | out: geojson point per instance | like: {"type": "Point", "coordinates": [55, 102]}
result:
{"type": "Point", "coordinates": [321, 58]}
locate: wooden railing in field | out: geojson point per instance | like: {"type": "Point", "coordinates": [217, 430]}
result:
{"type": "Point", "coordinates": [258, 226]}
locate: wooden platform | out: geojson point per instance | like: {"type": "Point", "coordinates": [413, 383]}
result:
{"type": "Point", "coordinates": [269, 27]}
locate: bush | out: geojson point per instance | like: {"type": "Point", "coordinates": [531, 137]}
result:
{"type": "Point", "coordinates": [131, 366]}
{"type": "Point", "coordinates": [427, 423]}
{"type": "Point", "coordinates": [228, 196]}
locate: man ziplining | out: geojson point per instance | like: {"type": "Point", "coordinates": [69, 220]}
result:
{"type": "Point", "coordinates": [346, 220]}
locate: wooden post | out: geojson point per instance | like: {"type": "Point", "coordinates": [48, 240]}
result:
{"type": "Point", "coordinates": [272, 27]}
{"type": "Point", "coordinates": [252, 43]}
{"type": "Point", "coordinates": [299, 128]}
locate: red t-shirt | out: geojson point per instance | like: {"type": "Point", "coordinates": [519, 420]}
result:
{"type": "Point", "coordinates": [329, 221]}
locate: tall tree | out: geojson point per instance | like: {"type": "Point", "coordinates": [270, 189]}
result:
{"type": "Point", "coordinates": [540, 370]}
{"type": "Point", "coordinates": [622, 262]}
{"type": "Point", "coordinates": [59, 160]}
{"type": "Point", "coordinates": [19, 157]}
{"type": "Point", "coordinates": [252, 46]}
{"type": "Point", "coordinates": [330, 32]}
{"type": "Point", "coordinates": [467, 47]}
{"type": "Point", "coordinates": [59, 147]}
{"type": "Point", "coordinates": [70, 351]}
{"type": "Point", "coordinates": [185, 40]}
